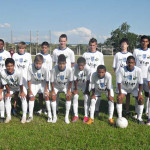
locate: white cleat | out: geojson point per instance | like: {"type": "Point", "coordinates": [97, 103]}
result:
{"type": "Point", "coordinates": [54, 120]}
{"type": "Point", "coordinates": [23, 120]}
{"type": "Point", "coordinates": [8, 119]}
{"type": "Point", "coordinates": [29, 119]}
{"type": "Point", "coordinates": [135, 116]}
{"type": "Point", "coordinates": [49, 119]}
{"type": "Point", "coordinates": [67, 120]}
{"type": "Point", "coordinates": [39, 112]}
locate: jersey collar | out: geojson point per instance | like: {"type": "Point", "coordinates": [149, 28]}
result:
{"type": "Point", "coordinates": [10, 73]}
{"type": "Point", "coordinates": [43, 53]}
{"type": "Point", "coordinates": [62, 49]}
{"type": "Point", "coordinates": [143, 49]}
{"type": "Point", "coordinates": [130, 70]}
{"type": "Point", "coordinates": [123, 53]}
{"type": "Point", "coordinates": [62, 70]}
{"type": "Point", "coordinates": [20, 53]}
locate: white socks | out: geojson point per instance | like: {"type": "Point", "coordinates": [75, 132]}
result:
{"type": "Point", "coordinates": [140, 112]}
{"type": "Point", "coordinates": [97, 105]}
{"type": "Point", "coordinates": [31, 107]}
{"type": "Point", "coordinates": [119, 110]}
{"type": "Point", "coordinates": [53, 104]}
{"type": "Point", "coordinates": [8, 107]}
{"type": "Point", "coordinates": [92, 108]}
{"type": "Point", "coordinates": [110, 109]}
{"type": "Point", "coordinates": [24, 107]}
{"type": "Point", "coordinates": [75, 105]}
{"type": "Point", "coordinates": [2, 109]}
{"type": "Point", "coordinates": [48, 108]}
{"type": "Point", "coordinates": [146, 104]}
{"type": "Point", "coordinates": [68, 105]}
{"type": "Point", "coordinates": [86, 105]}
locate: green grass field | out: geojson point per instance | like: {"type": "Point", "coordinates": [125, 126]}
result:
{"type": "Point", "coordinates": [42, 135]}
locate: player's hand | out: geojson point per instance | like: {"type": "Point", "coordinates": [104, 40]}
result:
{"type": "Point", "coordinates": [87, 92]}
{"type": "Point", "coordinates": [22, 95]}
{"type": "Point", "coordinates": [1, 97]}
{"type": "Point", "coordinates": [93, 97]}
{"type": "Point", "coordinates": [53, 94]}
{"type": "Point", "coordinates": [120, 96]}
{"type": "Point", "coordinates": [110, 98]}
{"type": "Point", "coordinates": [140, 98]}
{"type": "Point", "coordinates": [7, 95]}
{"type": "Point", "coordinates": [68, 95]}
{"type": "Point", "coordinates": [46, 94]}
{"type": "Point", "coordinates": [31, 94]}
{"type": "Point", "coordinates": [75, 92]}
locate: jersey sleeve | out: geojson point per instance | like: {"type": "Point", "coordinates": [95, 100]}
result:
{"type": "Point", "coordinates": [102, 60]}
{"type": "Point", "coordinates": [4, 82]}
{"type": "Point", "coordinates": [92, 81]}
{"type": "Point", "coordinates": [70, 75]}
{"type": "Point", "coordinates": [47, 75]}
{"type": "Point", "coordinates": [29, 74]}
{"type": "Point", "coordinates": [50, 65]}
{"type": "Point", "coordinates": [54, 57]}
{"type": "Point", "coordinates": [20, 78]}
{"type": "Point", "coordinates": [119, 76]}
{"type": "Point", "coordinates": [148, 74]}
{"type": "Point", "coordinates": [72, 57]}
{"type": "Point", "coordinates": [109, 84]}
{"type": "Point", "coordinates": [134, 54]}
{"type": "Point", "coordinates": [140, 77]}
{"type": "Point", "coordinates": [52, 75]}
{"type": "Point", "coordinates": [88, 73]}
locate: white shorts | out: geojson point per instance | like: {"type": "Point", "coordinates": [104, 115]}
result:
{"type": "Point", "coordinates": [145, 85]}
{"type": "Point", "coordinates": [99, 93]}
{"type": "Point", "coordinates": [37, 88]}
{"type": "Point", "coordinates": [61, 91]}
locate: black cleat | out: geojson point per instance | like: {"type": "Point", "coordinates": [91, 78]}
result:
{"type": "Point", "coordinates": [140, 122]}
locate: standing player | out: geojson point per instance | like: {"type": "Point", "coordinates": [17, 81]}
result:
{"type": "Point", "coordinates": [148, 80]}
{"type": "Point", "coordinates": [130, 80]}
{"type": "Point", "coordinates": [142, 59]}
{"type": "Point", "coordinates": [47, 64]}
{"type": "Point", "coordinates": [120, 61]}
{"type": "Point", "coordinates": [61, 81]}
{"type": "Point", "coordinates": [93, 59]}
{"type": "Point", "coordinates": [38, 79]}
{"type": "Point", "coordinates": [12, 79]}
{"type": "Point", "coordinates": [82, 74]}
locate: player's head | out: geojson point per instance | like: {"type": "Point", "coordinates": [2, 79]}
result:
{"type": "Point", "coordinates": [38, 61]}
{"type": "Point", "coordinates": [1, 44]}
{"type": "Point", "coordinates": [101, 70]}
{"type": "Point", "coordinates": [9, 64]}
{"type": "Point", "coordinates": [93, 44]}
{"type": "Point", "coordinates": [45, 47]}
{"type": "Point", "coordinates": [62, 62]}
{"type": "Point", "coordinates": [21, 47]}
{"type": "Point", "coordinates": [144, 42]}
{"type": "Point", "coordinates": [130, 62]}
{"type": "Point", "coordinates": [81, 63]}
{"type": "Point", "coordinates": [124, 44]}
{"type": "Point", "coordinates": [63, 40]}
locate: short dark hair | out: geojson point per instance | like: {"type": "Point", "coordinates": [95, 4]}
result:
{"type": "Point", "coordinates": [130, 57]}
{"type": "Point", "coordinates": [124, 40]}
{"type": "Point", "coordinates": [22, 44]}
{"type": "Point", "coordinates": [92, 40]}
{"type": "Point", "coordinates": [63, 36]}
{"type": "Point", "coordinates": [9, 60]}
{"type": "Point", "coordinates": [61, 58]}
{"type": "Point", "coordinates": [144, 37]}
{"type": "Point", "coordinates": [101, 67]}
{"type": "Point", "coordinates": [1, 40]}
{"type": "Point", "coordinates": [38, 58]}
{"type": "Point", "coordinates": [81, 60]}
{"type": "Point", "coordinates": [45, 44]}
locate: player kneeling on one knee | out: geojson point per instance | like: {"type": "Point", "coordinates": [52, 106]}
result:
{"type": "Point", "coordinates": [13, 81]}
{"type": "Point", "coordinates": [130, 80]}
{"type": "Point", "coordinates": [38, 79]}
{"type": "Point", "coordinates": [61, 81]}
{"type": "Point", "coordinates": [101, 81]}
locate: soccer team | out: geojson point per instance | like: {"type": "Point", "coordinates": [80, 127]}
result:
{"type": "Point", "coordinates": [46, 76]}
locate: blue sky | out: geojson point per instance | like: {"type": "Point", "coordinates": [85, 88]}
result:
{"type": "Point", "coordinates": [80, 19]}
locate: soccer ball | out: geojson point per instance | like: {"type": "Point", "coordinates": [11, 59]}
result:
{"type": "Point", "coordinates": [122, 122]}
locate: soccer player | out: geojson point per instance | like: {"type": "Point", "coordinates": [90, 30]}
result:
{"type": "Point", "coordinates": [120, 59]}
{"type": "Point", "coordinates": [101, 82]}
{"type": "Point", "coordinates": [93, 59]}
{"type": "Point", "coordinates": [148, 79]}
{"type": "Point", "coordinates": [22, 61]}
{"type": "Point", "coordinates": [13, 81]}
{"type": "Point", "coordinates": [81, 73]}
{"type": "Point", "coordinates": [38, 79]}
{"type": "Point", "coordinates": [48, 64]}
{"type": "Point", "coordinates": [61, 81]}
{"type": "Point", "coordinates": [130, 80]}
{"type": "Point", "coordinates": [142, 59]}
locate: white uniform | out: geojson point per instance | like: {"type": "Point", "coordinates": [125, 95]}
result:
{"type": "Point", "coordinates": [22, 62]}
{"type": "Point", "coordinates": [148, 76]}
{"type": "Point", "coordinates": [142, 58]}
{"type": "Point", "coordinates": [70, 58]}
{"type": "Point", "coordinates": [38, 77]}
{"type": "Point", "coordinates": [130, 80]}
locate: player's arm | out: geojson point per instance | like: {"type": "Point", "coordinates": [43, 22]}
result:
{"type": "Point", "coordinates": [87, 87]}
{"type": "Point", "coordinates": [72, 59]}
{"type": "Point", "coordinates": [22, 94]}
{"type": "Point", "coordinates": [93, 87]}
{"type": "Point", "coordinates": [109, 87]}
{"type": "Point", "coordinates": [114, 63]}
{"type": "Point", "coordinates": [7, 95]}
{"type": "Point", "coordinates": [75, 91]}
{"type": "Point", "coordinates": [1, 90]}
{"type": "Point", "coordinates": [140, 82]}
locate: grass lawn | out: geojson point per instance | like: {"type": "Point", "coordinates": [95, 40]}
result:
{"type": "Point", "coordinates": [42, 135]}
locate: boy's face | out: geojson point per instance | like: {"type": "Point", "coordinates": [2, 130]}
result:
{"type": "Point", "coordinates": [124, 46]}
{"type": "Point", "coordinates": [63, 42]}
{"type": "Point", "coordinates": [131, 64]}
{"type": "Point", "coordinates": [21, 50]}
{"type": "Point", "coordinates": [1, 45]}
{"type": "Point", "coordinates": [62, 65]}
{"type": "Point", "coordinates": [93, 46]}
{"type": "Point", "coordinates": [144, 43]}
{"type": "Point", "coordinates": [101, 73]}
{"type": "Point", "coordinates": [44, 49]}
{"type": "Point", "coordinates": [81, 66]}
{"type": "Point", "coordinates": [10, 67]}
{"type": "Point", "coordinates": [38, 64]}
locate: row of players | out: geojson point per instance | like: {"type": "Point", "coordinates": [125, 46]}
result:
{"type": "Point", "coordinates": [93, 59]}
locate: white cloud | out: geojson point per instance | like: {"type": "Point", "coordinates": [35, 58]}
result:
{"type": "Point", "coordinates": [5, 25]}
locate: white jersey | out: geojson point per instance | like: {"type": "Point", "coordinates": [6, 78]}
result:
{"type": "Point", "coordinates": [94, 59]}
{"type": "Point", "coordinates": [14, 80]}
{"type": "Point", "coordinates": [3, 56]}
{"type": "Point", "coordinates": [81, 76]}
{"type": "Point", "coordinates": [47, 60]}
{"type": "Point", "coordinates": [120, 60]}
{"type": "Point", "coordinates": [61, 79]}
{"type": "Point", "coordinates": [148, 74]}
{"type": "Point", "coordinates": [70, 57]}
{"type": "Point", "coordinates": [130, 80]}
{"type": "Point", "coordinates": [142, 58]}
{"type": "Point", "coordinates": [38, 76]}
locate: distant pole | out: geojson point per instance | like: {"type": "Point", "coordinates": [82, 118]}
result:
{"type": "Point", "coordinates": [50, 42]}
{"type": "Point", "coordinates": [11, 37]}
{"type": "Point", "coordinates": [30, 42]}
{"type": "Point", "coordinates": [37, 38]}
{"type": "Point", "coordinates": [79, 50]}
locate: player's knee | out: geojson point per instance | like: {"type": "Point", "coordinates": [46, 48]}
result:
{"type": "Point", "coordinates": [119, 100]}
{"type": "Point", "coordinates": [53, 98]}
{"type": "Point", "coordinates": [140, 102]}
{"type": "Point", "coordinates": [32, 98]}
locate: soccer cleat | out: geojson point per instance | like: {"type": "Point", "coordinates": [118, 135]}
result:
{"type": "Point", "coordinates": [23, 120]}
{"type": "Point", "coordinates": [54, 120]}
{"type": "Point", "coordinates": [29, 119]}
{"type": "Point", "coordinates": [39, 112]}
{"type": "Point", "coordinates": [140, 122]}
{"type": "Point", "coordinates": [148, 122]}
{"type": "Point", "coordinates": [2, 119]}
{"type": "Point", "coordinates": [135, 117]}
{"type": "Point", "coordinates": [8, 119]}
{"type": "Point", "coordinates": [85, 119]}
{"type": "Point", "coordinates": [75, 119]}
{"type": "Point", "coordinates": [90, 121]}
{"type": "Point", "coordinates": [111, 121]}
{"type": "Point", "coordinates": [49, 119]}
{"type": "Point", "coordinates": [67, 120]}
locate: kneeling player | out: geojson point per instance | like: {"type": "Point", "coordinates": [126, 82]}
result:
{"type": "Point", "coordinates": [12, 79]}
{"type": "Point", "coordinates": [61, 81]}
{"type": "Point", "coordinates": [81, 82]}
{"type": "Point", "coordinates": [130, 80]}
{"type": "Point", "coordinates": [38, 78]}
{"type": "Point", "coordinates": [101, 82]}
